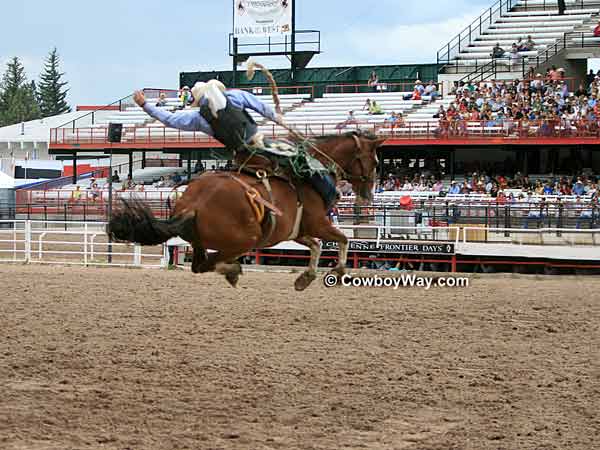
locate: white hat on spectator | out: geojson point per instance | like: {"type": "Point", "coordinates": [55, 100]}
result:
{"type": "Point", "coordinates": [560, 69]}
{"type": "Point", "coordinates": [418, 82]}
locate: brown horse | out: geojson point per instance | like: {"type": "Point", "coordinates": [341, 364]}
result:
{"type": "Point", "coordinates": [217, 212]}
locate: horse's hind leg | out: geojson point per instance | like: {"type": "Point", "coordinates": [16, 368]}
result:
{"type": "Point", "coordinates": [310, 274]}
{"type": "Point", "coordinates": [199, 260]}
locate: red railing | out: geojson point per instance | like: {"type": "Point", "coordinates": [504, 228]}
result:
{"type": "Point", "coordinates": [366, 88]}
{"type": "Point", "coordinates": [434, 129]}
{"type": "Point", "coordinates": [257, 90]}
{"type": "Point", "coordinates": [266, 90]}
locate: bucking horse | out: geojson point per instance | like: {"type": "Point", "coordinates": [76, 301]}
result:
{"type": "Point", "coordinates": [257, 205]}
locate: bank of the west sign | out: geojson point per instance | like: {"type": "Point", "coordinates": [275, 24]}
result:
{"type": "Point", "coordinates": [260, 18]}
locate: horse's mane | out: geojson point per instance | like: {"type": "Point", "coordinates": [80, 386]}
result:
{"type": "Point", "coordinates": [358, 133]}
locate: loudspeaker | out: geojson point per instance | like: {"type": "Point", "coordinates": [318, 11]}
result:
{"type": "Point", "coordinates": [115, 131]}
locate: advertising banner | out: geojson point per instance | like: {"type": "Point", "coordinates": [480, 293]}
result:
{"type": "Point", "coordinates": [262, 18]}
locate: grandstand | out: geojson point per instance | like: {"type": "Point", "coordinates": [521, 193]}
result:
{"type": "Point", "coordinates": [439, 140]}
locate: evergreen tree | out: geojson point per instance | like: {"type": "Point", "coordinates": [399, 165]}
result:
{"type": "Point", "coordinates": [51, 90]}
{"type": "Point", "coordinates": [18, 101]}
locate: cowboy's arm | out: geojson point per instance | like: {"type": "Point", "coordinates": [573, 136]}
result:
{"type": "Point", "coordinates": [181, 120]}
{"type": "Point", "coordinates": [250, 101]}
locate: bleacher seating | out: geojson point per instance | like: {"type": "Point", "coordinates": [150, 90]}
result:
{"type": "Point", "coordinates": [527, 18]}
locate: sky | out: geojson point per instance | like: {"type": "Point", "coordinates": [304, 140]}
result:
{"type": "Point", "coordinates": [112, 47]}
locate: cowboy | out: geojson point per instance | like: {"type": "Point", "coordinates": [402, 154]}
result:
{"type": "Point", "coordinates": [222, 114]}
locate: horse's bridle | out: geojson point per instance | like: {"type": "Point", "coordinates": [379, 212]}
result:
{"type": "Point", "coordinates": [363, 177]}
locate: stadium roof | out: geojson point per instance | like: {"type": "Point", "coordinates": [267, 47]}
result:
{"type": "Point", "coordinates": [38, 130]}
{"type": "Point", "coordinates": [6, 182]}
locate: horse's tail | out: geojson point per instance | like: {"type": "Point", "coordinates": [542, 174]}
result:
{"type": "Point", "coordinates": [135, 222]}
{"type": "Point", "coordinates": [252, 66]}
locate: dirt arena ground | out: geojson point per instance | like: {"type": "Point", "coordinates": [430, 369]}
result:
{"type": "Point", "coordinates": [133, 359]}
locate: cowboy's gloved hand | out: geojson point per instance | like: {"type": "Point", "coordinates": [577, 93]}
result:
{"type": "Point", "coordinates": [139, 98]}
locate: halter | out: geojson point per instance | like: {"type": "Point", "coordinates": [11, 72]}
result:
{"type": "Point", "coordinates": [347, 176]}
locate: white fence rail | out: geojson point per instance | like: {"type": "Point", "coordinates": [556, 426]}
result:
{"type": "Point", "coordinates": [86, 243]}
{"type": "Point", "coordinates": [72, 243]}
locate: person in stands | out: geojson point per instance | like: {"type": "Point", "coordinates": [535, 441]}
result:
{"type": "Point", "coordinates": [373, 81]}
{"type": "Point", "coordinates": [596, 34]}
{"type": "Point", "coordinates": [162, 100]}
{"type": "Point", "coordinates": [497, 51]}
{"type": "Point", "coordinates": [561, 7]}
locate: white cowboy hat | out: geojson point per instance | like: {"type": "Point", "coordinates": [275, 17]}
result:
{"type": "Point", "coordinates": [201, 88]}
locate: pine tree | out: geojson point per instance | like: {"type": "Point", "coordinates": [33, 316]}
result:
{"type": "Point", "coordinates": [18, 101]}
{"type": "Point", "coordinates": [51, 92]}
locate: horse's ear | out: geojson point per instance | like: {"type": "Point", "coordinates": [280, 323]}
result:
{"type": "Point", "coordinates": [378, 142]}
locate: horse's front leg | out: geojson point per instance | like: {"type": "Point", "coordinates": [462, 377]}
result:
{"type": "Point", "coordinates": [310, 274]}
{"type": "Point", "coordinates": [333, 234]}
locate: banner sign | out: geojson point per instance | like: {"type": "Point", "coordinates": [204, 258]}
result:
{"type": "Point", "coordinates": [262, 18]}
{"type": "Point", "coordinates": [409, 248]}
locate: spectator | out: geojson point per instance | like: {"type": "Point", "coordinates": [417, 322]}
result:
{"type": "Point", "coordinates": [514, 55]}
{"type": "Point", "coordinates": [454, 188]}
{"type": "Point", "coordinates": [529, 44]}
{"type": "Point", "coordinates": [161, 182]}
{"type": "Point", "coordinates": [375, 109]}
{"type": "Point", "coordinates": [578, 188]}
{"type": "Point", "coordinates": [590, 76]}
{"type": "Point", "coordinates": [350, 120]}
{"type": "Point", "coordinates": [162, 100]}
{"type": "Point", "coordinates": [95, 191]}
{"type": "Point", "coordinates": [128, 184]}
{"type": "Point", "coordinates": [76, 194]}
{"type": "Point", "coordinates": [561, 7]}
{"type": "Point", "coordinates": [367, 105]}
{"type": "Point", "coordinates": [115, 178]}
{"type": "Point", "coordinates": [185, 97]}
{"type": "Point", "coordinates": [373, 81]}
{"type": "Point", "coordinates": [497, 51]}
{"type": "Point", "coordinates": [431, 91]}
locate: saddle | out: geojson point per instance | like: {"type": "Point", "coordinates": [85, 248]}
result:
{"type": "Point", "coordinates": [291, 162]}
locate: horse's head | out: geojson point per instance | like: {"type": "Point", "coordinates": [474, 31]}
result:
{"type": "Point", "coordinates": [361, 171]}
{"type": "Point", "coordinates": [356, 155]}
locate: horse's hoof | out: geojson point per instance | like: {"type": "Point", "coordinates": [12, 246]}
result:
{"type": "Point", "coordinates": [338, 271]}
{"type": "Point", "coordinates": [232, 273]}
{"type": "Point", "coordinates": [304, 280]}
{"type": "Point", "coordinates": [233, 278]}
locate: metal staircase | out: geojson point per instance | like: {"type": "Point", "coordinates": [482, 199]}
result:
{"type": "Point", "coordinates": [578, 38]}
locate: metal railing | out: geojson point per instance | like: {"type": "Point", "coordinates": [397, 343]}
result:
{"type": "Point", "coordinates": [83, 243]}
{"type": "Point", "coordinates": [546, 4]}
{"type": "Point", "coordinates": [523, 64]}
{"type": "Point", "coordinates": [447, 53]}
{"type": "Point", "coordinates": [492, 212]}
{"type": "Point", "coordinates": [379, 87]}
{"type": "Point", "coordinates": [508, 130]}
{"type": "Point", "coordinates": [72, 243]}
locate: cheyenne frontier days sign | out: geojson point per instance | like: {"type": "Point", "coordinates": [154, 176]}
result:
{"type": "Point", "coordinates": [261, 18]}
{"type": "Point", "coordinates": [411, 248]}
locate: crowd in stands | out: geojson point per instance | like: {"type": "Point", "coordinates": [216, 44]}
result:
{"type": "Point", "coordinates": [580, 185]}
{"type": "Point", "coordinates": [516, 50]}
{"type": "Point", "coordinates": [543, 105]}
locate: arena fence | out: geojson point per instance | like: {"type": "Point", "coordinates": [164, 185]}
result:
{"type": "Point", "coordinates": [555, 212]}
{"type": "Point", "coordinates": [86, 243]}
{"type": "Point", "coordinates": [71, 243]}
